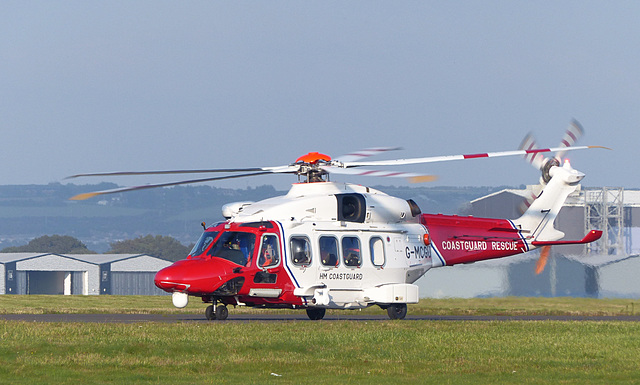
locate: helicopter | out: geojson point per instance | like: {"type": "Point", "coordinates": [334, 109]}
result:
{"type": "Point", "coordinates": [329, 245]}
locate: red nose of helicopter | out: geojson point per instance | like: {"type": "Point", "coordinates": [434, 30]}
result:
{"type": "Point", "coordinates": [193, 276]}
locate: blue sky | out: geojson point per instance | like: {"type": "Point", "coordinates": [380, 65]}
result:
{"type": "Point", "coordinates": [146, 85]}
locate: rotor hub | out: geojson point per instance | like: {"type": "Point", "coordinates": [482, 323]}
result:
{"type": "Point", "coordinates": [310, 166]}
{"type": "Point", "coordinates": [546, 177]}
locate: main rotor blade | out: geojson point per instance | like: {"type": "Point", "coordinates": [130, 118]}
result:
{"type": "Point", "coordinates": [81, 197]}
{"type": "Point", "coordinates": [367, 152]}
{"type": "Point", "coordinates": [166, 172]}
{"type": "Point", "coordinates": [412, 177]}
{"type": "Point", "coordinates": [399, 162]}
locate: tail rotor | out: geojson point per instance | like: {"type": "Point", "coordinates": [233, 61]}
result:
{"type": "Point", "coordinates": [573, 133]}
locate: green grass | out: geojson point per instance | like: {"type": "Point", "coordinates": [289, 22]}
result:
{"type": "Point", "coordinates": [323, 352]}
{"type": "Point", "coordinates": [405, 352]}
{"type": "Point", "coordinates": [41, 304]}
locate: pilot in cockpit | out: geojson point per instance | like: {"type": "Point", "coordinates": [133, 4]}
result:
{"type": "Point", "coordinates": [269, 251]}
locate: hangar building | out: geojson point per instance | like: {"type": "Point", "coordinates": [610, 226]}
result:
{"type": "Point", "coordinates": [85, 274]}
{"type": "Point", "coordinates": [608, 268]}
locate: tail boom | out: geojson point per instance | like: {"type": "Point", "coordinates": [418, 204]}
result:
{"type": "Point", "coordinates": [456, 239]}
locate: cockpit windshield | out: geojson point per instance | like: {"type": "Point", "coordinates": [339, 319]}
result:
{"type": "Point", "coordinates": [203, 243]}
{"type": "Point", "coordinates": [234, 246]}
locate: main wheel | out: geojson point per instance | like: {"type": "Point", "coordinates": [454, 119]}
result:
{"type": "Point", "coordinates": [222, 312]}
{"type": "Point", "coordinates": [397, 311]}
{"type": "Point", "coordinates": [316, 313]}
{"type": "Point", "coordinates": [209, 313]}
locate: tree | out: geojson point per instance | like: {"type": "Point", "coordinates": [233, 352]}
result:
{"type": "Point", "coordinates": [159, 246]}
{"type": "Point", "coordinates": [60, 244]}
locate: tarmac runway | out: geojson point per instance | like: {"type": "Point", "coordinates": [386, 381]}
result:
{"type": "Point", "coordinates": [178, 318]}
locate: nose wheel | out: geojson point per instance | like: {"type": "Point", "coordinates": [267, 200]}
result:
{"type": "Point", "coordinates": [216, 312]}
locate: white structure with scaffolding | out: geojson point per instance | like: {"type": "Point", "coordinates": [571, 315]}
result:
{"type": "Point", "coordinates": [604, 210]}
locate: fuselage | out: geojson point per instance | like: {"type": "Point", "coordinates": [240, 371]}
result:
{"type": "Point", "coordinates": [326, 244]}
{"type": "Point", "coordinates": [331, 245]}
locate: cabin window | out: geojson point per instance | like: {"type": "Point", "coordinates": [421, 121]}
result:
{"type": "Point", "coordinates": [351, 251]}
{"type": "Point", "coordinates": [329, 251]}
{"type": "Point", "coordinates": [300, 251]}
{"type": "Point", "coordinates": [376, 246]}
{"type": "Point", "coordinates": [269, 251]}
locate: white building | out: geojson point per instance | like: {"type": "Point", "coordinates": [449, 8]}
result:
{"type": "Point", "coordinates": [85, 274]}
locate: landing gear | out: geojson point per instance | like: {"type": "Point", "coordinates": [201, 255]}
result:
{"type": "Point", "coordinates": [216, 312]}
{"type": "Point", "coordinates": [316, 313]}
{"type": "Point", "coordinates": [210, 313]}
{"type": "Point", "coordinates": [397, 310]}
{"type": "Point", "coordinates": [222, 312]}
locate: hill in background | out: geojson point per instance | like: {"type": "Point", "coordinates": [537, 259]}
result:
{"type": "Point", "coordinates": [30, 211]}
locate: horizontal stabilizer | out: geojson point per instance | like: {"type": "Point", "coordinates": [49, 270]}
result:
{"type": "Point", "coordinates": [591, 236]}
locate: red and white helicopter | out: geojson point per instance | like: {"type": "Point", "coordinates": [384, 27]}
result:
{"type": "Point", "coordinates": [327, 245]}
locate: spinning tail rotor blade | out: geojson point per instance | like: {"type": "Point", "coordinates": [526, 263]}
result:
{"type": "Point", "coordinates": [571, 136]}
{"type": "Point", "coordinates": [542, 261]}
{"type": "Point", "coordinates": [573, 133]}
{"type": "Point", "coordinates": [536, 159]}
{"type": "Point", "coordinates": [533, 192]}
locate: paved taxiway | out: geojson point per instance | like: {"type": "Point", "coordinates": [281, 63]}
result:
{"type": "Point", "coordinates": [175, 318]}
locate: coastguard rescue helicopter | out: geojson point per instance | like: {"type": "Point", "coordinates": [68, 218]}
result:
{"type": "Point", "coordinates": [327, 245]}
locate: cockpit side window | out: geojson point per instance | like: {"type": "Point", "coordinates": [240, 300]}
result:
{"type": "Point", "coordinates": [234, 246]}
{"type": "Point", "coordinates": [269, 251]}
{"type": "Point", "coordinates": [203, 243]}
{"type": "Point", "coordinates": [351, 251]}
{"type": "Point", "coordinates": [300, 251]}
{"type": "Point", "coordinates": [329, 251]}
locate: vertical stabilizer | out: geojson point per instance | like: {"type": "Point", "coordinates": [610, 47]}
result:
{"type": "Point", "coordinates": [537, 222]}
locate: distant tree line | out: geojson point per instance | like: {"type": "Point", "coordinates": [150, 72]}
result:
{"type": "Point", "coordinates": [158, 246]}
{"type": "Point", "coordinates": [60, 244]}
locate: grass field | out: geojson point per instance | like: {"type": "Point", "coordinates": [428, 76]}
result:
{"type": "Point", "coordinates": [307, 352]}
{"type": "Point", "coordinates": [46, 304]}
